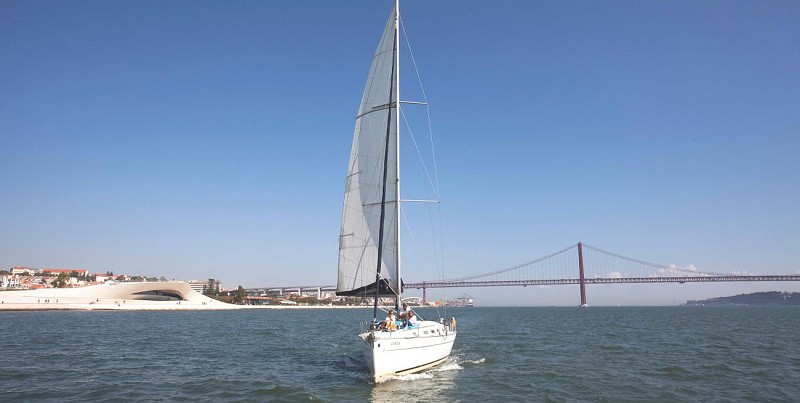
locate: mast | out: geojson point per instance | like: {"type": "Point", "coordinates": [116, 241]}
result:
{"type": "Point", "coordinates": [397, 146]}
{"type": "Point", "coordinates": [392, 97]}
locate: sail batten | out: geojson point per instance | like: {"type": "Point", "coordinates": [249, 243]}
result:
{"type": "Point", "coordinates": [361, 229]}
{"type": "Point", "coordinates": [377, 108]}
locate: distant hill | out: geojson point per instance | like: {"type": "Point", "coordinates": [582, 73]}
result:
{"type": "Point", "coordinates": [756, 298]}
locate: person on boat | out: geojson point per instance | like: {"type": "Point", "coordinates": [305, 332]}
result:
{"type": "Point", "coordinates": [411, 320]}
{"type": "Point", "coordinates": [389, 323]}
{"type": "Point", "coordinates": [407, 312]}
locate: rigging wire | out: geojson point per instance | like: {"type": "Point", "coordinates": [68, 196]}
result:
{"type": "Point", "coordinates": [438, 247]}
{"type": "Point", "coordinates": [419, 155]}
{"type": "Point", "coordinates": [427, 108]}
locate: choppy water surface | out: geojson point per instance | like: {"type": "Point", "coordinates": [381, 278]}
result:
{"type": "Point", "coordinates": [532, 354]}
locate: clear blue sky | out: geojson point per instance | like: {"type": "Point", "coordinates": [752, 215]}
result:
{"type": "Point", "coordinates": [197, 139]}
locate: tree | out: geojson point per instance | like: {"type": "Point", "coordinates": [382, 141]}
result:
{"type": "Point", "coordinates": [211, 288]}
{"type": "Point", "coordinates": [241, 295]}
{"type": "Point", "coordinates": [60, 281]}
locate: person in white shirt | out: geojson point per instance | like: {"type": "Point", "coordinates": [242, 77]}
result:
{"type": "Point", "coordinates": [411, 320]}
{"type": "Point", "coordinates": [407, 312]}
{"type": "Point", "coordinates": [389, 323]}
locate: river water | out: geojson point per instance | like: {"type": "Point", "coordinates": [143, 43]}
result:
{"type": "Point", "coordinates": [507, 354]}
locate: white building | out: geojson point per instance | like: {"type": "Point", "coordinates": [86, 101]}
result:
{"type": "Point", "coordinates": [198, 285]}
{"type": "Point", "coordinates": [112, 295]}
{"type": "Point", "coordinates": [9, 281]}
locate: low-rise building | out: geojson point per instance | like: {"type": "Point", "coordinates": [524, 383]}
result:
{"type": "Point", "coordinates": [23, 271]}
{"type": "Point", "coordinates": [9, 281]}
{"type": "Point", "coordinates": [68, 272]}
{"type": "Point", "coordinates": [197, 285]}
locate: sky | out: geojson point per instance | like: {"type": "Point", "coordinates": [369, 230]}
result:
{"type": "Point", "coordinates": [210, 139]}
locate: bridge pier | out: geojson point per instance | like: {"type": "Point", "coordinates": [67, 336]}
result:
{"type": "Point", "coordinates": [583, 279]}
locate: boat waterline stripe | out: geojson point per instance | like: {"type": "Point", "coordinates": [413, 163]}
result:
{"type": "Point", "coordinates": [421, 366]}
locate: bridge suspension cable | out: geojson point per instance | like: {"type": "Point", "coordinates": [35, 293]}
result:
{"type": "Point", "coordinates": [592, 265]}
{"type": "Point", "coordinates": [650, 264]}
{"type": "Point", "coordinates": [512, 268]}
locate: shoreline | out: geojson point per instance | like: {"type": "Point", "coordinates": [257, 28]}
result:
{"type": "Point", "coordinates": [127, 296]}
{"type": "Point", "coordinates": [17, 307]}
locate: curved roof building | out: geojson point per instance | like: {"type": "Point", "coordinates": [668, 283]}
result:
{"type": "Point", "coordinates": [112, 295]}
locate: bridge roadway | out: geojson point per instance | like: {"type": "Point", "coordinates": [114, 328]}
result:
{"type": "Point", "coordinates": [601, 280]}
{"type": "Point", "coordinates": [563, 281]}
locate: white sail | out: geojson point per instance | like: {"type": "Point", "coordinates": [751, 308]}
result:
{"type": "Point", "coordinates": [376, 129]}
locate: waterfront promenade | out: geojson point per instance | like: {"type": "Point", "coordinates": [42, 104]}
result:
{"type": "Point", "coordinates": [171, 295]}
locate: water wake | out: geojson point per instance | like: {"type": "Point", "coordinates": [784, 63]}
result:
{"type": "Point", "coordinates": [413, 377]}
{"type": "Point", "coordinates": [448, 366]}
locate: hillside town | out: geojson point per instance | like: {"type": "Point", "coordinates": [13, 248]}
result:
{"type": "Point", "coordinates": [28, 278]}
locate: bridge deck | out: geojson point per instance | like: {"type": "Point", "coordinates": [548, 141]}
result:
{"type": "Point", "coordinates": [621, 280]}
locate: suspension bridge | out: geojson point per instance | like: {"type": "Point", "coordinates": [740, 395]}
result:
{"type": "Point", "coordinates": [584, 264]}
{"type": "Point", "coordinates": [579, 264]}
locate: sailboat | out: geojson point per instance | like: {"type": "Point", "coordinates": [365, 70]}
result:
{"type": "Point", "coordinates": [369, 239]}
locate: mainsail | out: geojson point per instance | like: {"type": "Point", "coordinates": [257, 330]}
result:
{"type": "Point", "coordinates": [370, 163]}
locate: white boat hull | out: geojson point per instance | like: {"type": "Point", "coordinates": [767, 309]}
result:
{"type": "Point", "coordinates": [407, 351]}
